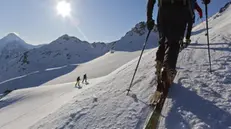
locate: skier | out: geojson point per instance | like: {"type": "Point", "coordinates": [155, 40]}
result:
{"type": "Point", "coordinates": [190, 24]}
{"type": "Point", "coordinates": [77, 82]}
{"type": "Point", "coordinates": [172, 19]}
{"type": "Point", "coordinates": [85, 78]}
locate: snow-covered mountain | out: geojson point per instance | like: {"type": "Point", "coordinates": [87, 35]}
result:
{"type": "Point", "coordinates": [68, 50]}
{"type": "Point", "coordinates": [134, 39]}
{"type": "Point", "coordinates": [63, 51]}
{"type": "Point", "coordinates": [13, 38]}
{"type": "Point", "coordinates": [12, 47]}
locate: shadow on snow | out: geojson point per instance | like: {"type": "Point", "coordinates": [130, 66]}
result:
{"type": "Point", "coordinates": [204, 110]}
{"type": "Point", "coordinates": [199, 31]}
{"type": "Point", "coordinates": [35, 79]}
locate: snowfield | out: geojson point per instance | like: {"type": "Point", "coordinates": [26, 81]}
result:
{"type": "Point", "coordinates": [100, 99]}
{"type": "Point", "coordinates": [98, 67]}
{"type": "Point", "coordinates": [68, 73]}
{"type": "Point", "coordinates": [35, 103]}
{"type": "Point", "coordinates": [198, 99]}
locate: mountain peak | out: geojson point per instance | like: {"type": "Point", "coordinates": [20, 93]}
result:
{"type": "Point", "coordinates": [13, 34]}
{"type": "Point", "coordinates": [12, 37]}
{"type": "Point", "coordinates": [66, 37]}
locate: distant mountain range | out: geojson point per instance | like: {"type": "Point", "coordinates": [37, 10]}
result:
{"type": "Point", "coordinates": [19, 58]}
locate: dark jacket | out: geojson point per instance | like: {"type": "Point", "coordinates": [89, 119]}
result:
{"type": "Point", "coordinates": [78, 79]}
{"type": "Point", "coordinates": [151, 3]}
{"type": "Point", "coordinates": [85, 76]}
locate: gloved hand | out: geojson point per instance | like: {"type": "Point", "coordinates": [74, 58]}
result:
{"type": "Point", "coordinates": [150, 24]}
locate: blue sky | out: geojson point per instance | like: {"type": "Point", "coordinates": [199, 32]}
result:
{"type": "Point", "coordinates": [37, 22]}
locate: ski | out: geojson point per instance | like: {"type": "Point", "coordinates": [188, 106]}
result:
{"type": "Point", "coordinates": [153, 119]}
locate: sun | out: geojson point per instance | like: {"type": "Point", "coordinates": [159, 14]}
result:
{"type": "Point", "coordinates": [64, 8]}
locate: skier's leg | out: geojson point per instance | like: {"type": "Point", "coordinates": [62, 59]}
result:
{"type": "Point", "coordinates": [159, 64]}
{"type": "Point", "coordinates": [160, 52]}
{"type": "Point", "coordinates": [160, 55]}
{"type": "Point", "coordinates": [172, 54]}
{"type": "Point", "coordinates": [161, 49]}
{"type": "Point", "coordinates": [175, 20]}
{"type": "Point", "coordinates": [78, 84]}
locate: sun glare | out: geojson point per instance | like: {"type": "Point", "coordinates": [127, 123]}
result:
{"type": "Point", "coordinates": [64, 8]}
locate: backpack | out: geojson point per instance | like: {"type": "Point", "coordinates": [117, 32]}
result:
{"type": "Point", "coordinates": [160, 2]}
{"type": "Point", "coordinates": [189, 3]}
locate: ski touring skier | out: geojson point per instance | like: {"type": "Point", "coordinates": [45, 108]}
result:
{"type": "Point", "coordinates": [190, 24]}
{"type": "Point", "coordinates": [85, 79]}
{"type": "Point", "coordinates": [77, 82]}
{"type": "Point", "coordinates": [172, 19]}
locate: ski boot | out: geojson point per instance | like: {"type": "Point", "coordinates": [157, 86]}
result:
{"type": "Point", "coordinates": [159, 91]}
{"type": "Point", "coordinates": [155, 98]}
{"type": "Point", "coordinates": [167, 77]}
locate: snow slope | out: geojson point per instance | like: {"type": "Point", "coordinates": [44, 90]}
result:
{"type": "Point", "coordinates": [103, 105]}
{"type": "Point", "coordinates": [48, 99]}
{"type": "Point", "coordinates": [42, 101]}
{"type": "Point", "coordinates": [98, 67]}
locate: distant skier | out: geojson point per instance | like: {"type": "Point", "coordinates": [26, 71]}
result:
{"type": "Point", "coordinates": [77, 82]}
{"type": "Point", "coordinates": [85, 79]}
{"type": "Point", "coordinates": [173, 16]}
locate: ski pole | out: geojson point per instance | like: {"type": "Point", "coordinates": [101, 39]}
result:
{"type": "Point", "coordinates": [144, 45]}
{"type": "Point", "coordinates": [207, 28]}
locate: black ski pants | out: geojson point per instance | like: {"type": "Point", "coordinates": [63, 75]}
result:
{"type": "Point", "coordinates": [171, 22]}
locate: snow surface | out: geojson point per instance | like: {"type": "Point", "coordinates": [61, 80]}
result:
{"type": "Point", "coordinates": [106, 101]}
{"type": "Point", "coordinates": [197, 100]}
{"type": "Point", "coordinates": [42, 101]}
